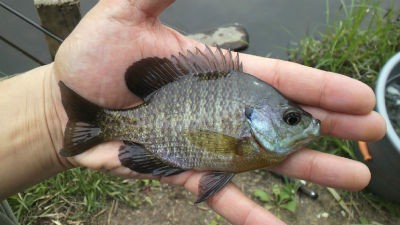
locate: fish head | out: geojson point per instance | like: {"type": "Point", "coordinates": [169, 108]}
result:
{"type": "Point", "coordinates": [281, 128]}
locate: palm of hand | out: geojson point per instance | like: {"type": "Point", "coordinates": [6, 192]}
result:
{"type": "Point", "coordinates": [94, 60]}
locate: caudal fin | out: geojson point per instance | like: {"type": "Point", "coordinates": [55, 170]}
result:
{"type": "Point", "coordinates": [82, 131]}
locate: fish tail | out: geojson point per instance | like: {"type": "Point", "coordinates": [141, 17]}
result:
{"type": "Point", "coordinates": [82, 131]}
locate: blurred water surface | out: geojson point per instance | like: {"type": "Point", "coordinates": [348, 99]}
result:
{"type": "Point", "coordinates": [271, 24]}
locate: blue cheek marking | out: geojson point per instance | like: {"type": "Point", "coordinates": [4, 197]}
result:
{"type": "Point", "coordinates": [262, 132]}
{"type": "Point", "coordinates": [266, 136]}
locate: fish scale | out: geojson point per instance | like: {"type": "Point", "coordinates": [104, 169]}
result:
{"type": "Point", "coordinates": [228, 119]}
{"type": "Point", "coordinates": [200, 112]}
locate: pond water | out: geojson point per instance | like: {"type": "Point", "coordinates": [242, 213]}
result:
{"type": "Point", "coordinates": [271, 24]}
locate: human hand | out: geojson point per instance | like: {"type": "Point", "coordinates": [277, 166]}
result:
{"type": "Point", "coordinates": [116, 33]}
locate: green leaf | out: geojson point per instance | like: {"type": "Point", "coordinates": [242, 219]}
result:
{"type": "Point", "coordinates": [268, 206]}
{"type": "Point", "coordinates": [284, 195]}
{"type": "Point", "coordinates": [276, 190]}
{"type": "Point", "coordinates": [261, 195]}
{"type": "Point", "coordinates": [146, 182]}
{"type": "Point", "coordinates": [213, 222]}
{"type": "Point", "coordinates": [291, 206]}
{"type": "Point", "coordinates": [148, 200]}
{"type": "Point", "coordinates": [363, 220]}
{"type": "Point", "coordinates": [155, 183]}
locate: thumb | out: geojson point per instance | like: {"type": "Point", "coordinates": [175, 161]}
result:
{"type": "Point", "coordinates": [134, 11]}
{"type": "Point", "coordinates": [151, 8]}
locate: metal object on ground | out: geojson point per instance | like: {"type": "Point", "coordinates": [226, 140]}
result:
{"type": "Point", "coordinates": [300, 183]}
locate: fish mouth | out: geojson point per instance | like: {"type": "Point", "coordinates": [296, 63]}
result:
{"type": "Point", "coordinates": [310, 133]}
{"type": "Point", "coordinates": [314, 128]}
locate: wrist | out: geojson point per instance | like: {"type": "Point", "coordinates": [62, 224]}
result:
{"type": "Point", "coordinates": [31, 131]}
{"type": "Point", "coordinates": [55, 115]}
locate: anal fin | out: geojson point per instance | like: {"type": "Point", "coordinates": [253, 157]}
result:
{"type": "Point", "coordinates": [137, 158]}
{"type": "Point", "coordinates": [211, 183]}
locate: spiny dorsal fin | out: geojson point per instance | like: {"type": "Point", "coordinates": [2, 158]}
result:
{"type": "Point", "coordinates": [150, 74]}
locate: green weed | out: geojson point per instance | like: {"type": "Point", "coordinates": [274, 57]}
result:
{"type": "Point", "coordinates": [76, 195]}
{"type": "Point", "coordinates": [282, 197]}
{"type": "Point", "coordinates": [216, 220]}
{"type": "Point", "coordinates": [335, 146]}
{"type": "Point", "coordinates": [357, 43]}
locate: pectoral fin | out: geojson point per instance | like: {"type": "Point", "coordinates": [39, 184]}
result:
{"type": "Point", "coordinates": [218, 143]}
{"type": "Point", "coordinates": [137, 158]}
{"type": "Point", "coordinates": [211, 183]}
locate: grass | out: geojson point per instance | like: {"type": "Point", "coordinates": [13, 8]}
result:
{"type": "Point", "coordinates": [357, 45]}
{"type": "Point", "coordinates": [283, 196]}
{"type": "Point", "coordinates": [77, 195]}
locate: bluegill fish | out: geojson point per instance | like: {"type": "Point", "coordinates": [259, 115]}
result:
{"type": "Point", "coordinates": [200, 112]}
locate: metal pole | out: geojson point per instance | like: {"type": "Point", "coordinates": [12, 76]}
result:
{"type": "Point", "coordinates": [27, 54]}
{"type": "Point", "coordinates": [37, 26]}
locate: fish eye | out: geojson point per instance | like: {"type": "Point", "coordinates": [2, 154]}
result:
{"type": "Point", "coordinates": [291, 117]}
{"type": "Point", "coordinates": [248, 111]}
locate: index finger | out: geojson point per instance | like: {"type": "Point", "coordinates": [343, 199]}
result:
{"type": "Point", "coordinates": [311, 86]}
{"type": "Point", "coordinates": [325, 169]}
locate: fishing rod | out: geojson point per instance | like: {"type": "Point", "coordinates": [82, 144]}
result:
{"type": "Point", "coordinates": [31, 22]}
{"type": "Point", "coordinates": [27, 54]}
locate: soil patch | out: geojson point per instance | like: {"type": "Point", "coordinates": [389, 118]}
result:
{"type": "Point", "coordinates": [174, 205]}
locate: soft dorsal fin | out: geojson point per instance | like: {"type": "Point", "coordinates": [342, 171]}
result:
{"type": "Point", "coordinates": [150, 74]}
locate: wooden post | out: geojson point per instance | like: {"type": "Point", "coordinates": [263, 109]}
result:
{"type": "Point", "coordinates": [59, 17]}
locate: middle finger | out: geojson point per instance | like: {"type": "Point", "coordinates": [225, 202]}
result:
{"type": "Point", "coordinates": [368, 127]}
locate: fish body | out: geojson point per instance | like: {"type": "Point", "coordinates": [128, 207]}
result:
{"type": "Point", "coordinates": [201, 112]}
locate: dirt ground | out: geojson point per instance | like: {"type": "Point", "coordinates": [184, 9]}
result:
{"type": "Point", "coordinates": [174, 205]}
